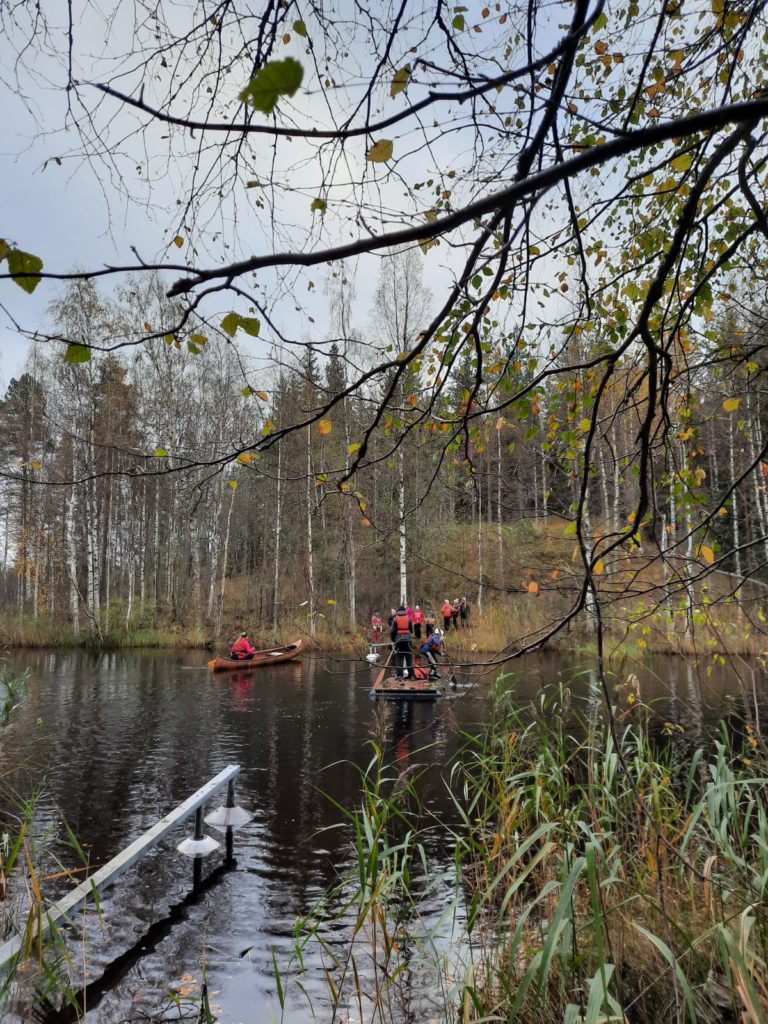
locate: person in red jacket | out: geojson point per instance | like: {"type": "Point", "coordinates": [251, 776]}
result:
{"type": "Point", "coordinates": [446, 611]}
{"type": "Point", "coordinates": [400, 634]}
{"type": "Point", "coordinates": [241, 650]}
{"type": "Point", "coordinates": [418, 622]}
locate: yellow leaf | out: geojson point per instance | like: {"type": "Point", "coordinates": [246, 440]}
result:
{"type": "Point", "coordinates": [178, 241]}
{"type": "Point", "coordinates": [262, 395]}
{"type": "Point", "coordinates": [598, 569]}
{"type": "Point", "coordinates": [331, 601]}
{"type": "Point", "coordinates": [430, 216]}
{"type": "Point", "coordinates": [731, 404]}
{"type": "Point", "coordinates": [501, 423]}
{"type": "Point", "coordinates": [533, 588]}
{"type": "Point", "coordinates": [682, 162]}
{"type": "Point", "coordinates": [324, 427]}
{"type": "Point", "coordinates": [233, 484]}
{"type": "Point", "coordinates": [380, 151]}
{"type": "Point", "coordinates": [245, 458]}
{"type": "Point", "coordinates": [707, 554]}
{"type": "Point", "coordinates": [400, 81]}
{"type": "Point", "coordinates": [425, 244]}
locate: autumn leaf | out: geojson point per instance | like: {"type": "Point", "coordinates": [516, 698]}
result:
{"type": "Point", "coordinates": [77, 353]}
{"type": "Point", "coordinates": [233, 484]}
{"type": "Point", "coordinates": [178, 241]}
{"type": "Point", "coordinates": [380, 151]}
{"type": "Point", "coordinates": [707, 554]}
{"type": "Point", "coordinates": [533, 588]}
{"type": "Point", "coordinates": [731, 404]}
{"type": "Point", "coordinates": [598, 568]}
{"type": "Point", "coordinates": [24, 263]}
{"type": "Point", "coordinates": [319, 205]}
{"type": "Point", "coordinates": [277, 78]}
{"type": "Point", "coordinates": [161, 453]}
{"type": "Point", "coordinates": [324, 427]}
{"type": "Point", "coordinates": [400, 81]}
{"type": "Point", "coordinates": [352, 448]}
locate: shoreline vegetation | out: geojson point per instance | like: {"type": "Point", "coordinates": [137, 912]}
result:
{"type": "Point", "coordinates": [606, 870]}
{"type": "Point", "coordinates": [644, 608]}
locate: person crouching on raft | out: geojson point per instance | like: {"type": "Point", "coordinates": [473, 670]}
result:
{"type": "Point", "coordinates": [241, 650]}
{"type": "Point", "coordinates": [432, 646]}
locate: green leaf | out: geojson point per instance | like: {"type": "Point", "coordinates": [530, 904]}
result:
{"type": "Point", "coordinates": [300, 29]}
{"type": "Point", "coordinates": [380, 151]}
{"type": "Point", "coordinates": [24, 263]}
{"type": "Point", "coordinates": [198, 339]}
{"type": "Point", "coordinates": [458, 22]}
{"type": "Point", "coordinates": [682, 162]}
{"type": "Point", "coordinates": [232, 321]}
{"type": "Point", "coordinates": [400, 81]}
{"type": "Point", "coordinates": [319, 204]}
{"type": "Point", "coordinates": [570, 528]}
{"type": "Point", "coordinates": [161, 453]}
{"type": "Point", "coordinates": [77, 353]}
{"type": "Point", "coordinates": [250, 325]}
{"type": "Point", "coordinates": [277, 78]}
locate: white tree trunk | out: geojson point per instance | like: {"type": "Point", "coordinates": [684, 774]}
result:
{"type": "Point", "coordinates": [401, 512]}
{"type": "Point", "coordinates": [310, 548]}
{"type": "Point", "coordinates": [222, 591]}
{"type": "Point", "coordinates": [74, 601]}
{"type": "Point", "coordinates": [278, 527]}
{"type": "Point", "coordinates": [734, 501]}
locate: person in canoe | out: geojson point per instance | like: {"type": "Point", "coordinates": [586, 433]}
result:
{"type": "Point", "coordinates": [241, 649]}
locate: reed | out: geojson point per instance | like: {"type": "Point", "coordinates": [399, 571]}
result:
{"type": "Point", "coordinates": [601, 874]}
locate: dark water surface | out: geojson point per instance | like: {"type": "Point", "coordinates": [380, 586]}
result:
{"type": "Point", "coordinates": [114, 742]}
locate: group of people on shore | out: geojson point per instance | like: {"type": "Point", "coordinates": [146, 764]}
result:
{"type": "Point", "coordinates": [407, 624]}
{"type": "Point", "coordinates": [454, 613]}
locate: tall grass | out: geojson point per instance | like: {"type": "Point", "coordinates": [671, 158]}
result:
{"type": "Point", "coordinates": [595, 880]}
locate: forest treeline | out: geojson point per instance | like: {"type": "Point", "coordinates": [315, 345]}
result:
{"type": "Point", "coordinates": [163, 488]}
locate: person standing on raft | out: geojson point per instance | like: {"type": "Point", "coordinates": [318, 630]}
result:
{"type": "Point", "coordinates": [241, 650]}
{"type": "Point", "coordinates": [400, 633]}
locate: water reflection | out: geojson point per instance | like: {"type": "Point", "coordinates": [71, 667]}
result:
{"type": "Point", "coordinates": [113, 742]}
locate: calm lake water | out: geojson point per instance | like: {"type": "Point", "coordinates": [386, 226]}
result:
{"type": "Point", "coordinates": [112, 743]}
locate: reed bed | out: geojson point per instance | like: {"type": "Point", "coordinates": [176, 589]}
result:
{"type": "Point", "coordinates": [604, 872]}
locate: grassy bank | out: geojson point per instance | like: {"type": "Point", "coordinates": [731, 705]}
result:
{"type": "Point", "coordinates": [599, 877]}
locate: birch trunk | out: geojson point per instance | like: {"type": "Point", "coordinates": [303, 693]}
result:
{"type": "Point", "coordinates": [69, 532]}
{"type": "Point", "coordinates": [401, 512]}
{"type": "Point", "coordinates": [222, 591]}
{"type": "Point", "coordinates": [734, 501]}
{"type": "Point", "coordinates": [278, 527]}
{"type": "Point", "coordinates": [310, 548]}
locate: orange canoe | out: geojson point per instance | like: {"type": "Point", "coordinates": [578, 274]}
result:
{"type": "Point", "coordinates": [261, 658]}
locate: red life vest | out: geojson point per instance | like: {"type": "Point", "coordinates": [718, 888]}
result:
{"type": "Point", "coordinates": [402, 625]}
{"type": "Point", "coordinates": [418, 617]}
{"type": "Point", "coordinates": [447, 610]}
